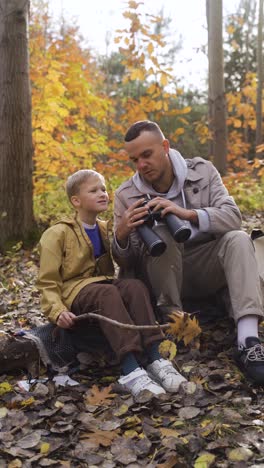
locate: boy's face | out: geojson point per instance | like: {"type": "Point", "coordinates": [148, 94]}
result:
{"type": "Point", "coordinates": [92, 197]}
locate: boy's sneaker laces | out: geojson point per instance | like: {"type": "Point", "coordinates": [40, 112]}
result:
{"type": "Point", "coordinates": [163, 372]}
{"type": "Point", "coordinates": [138, 381]}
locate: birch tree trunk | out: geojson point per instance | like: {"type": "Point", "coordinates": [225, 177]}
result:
{"type": "Point", "coordinates": [216, 91]}
{"type": "Point", "coordinates": [16, 149]}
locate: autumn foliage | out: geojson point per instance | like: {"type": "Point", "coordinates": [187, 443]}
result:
{"type": "Point", "coordinates": [80, 112]}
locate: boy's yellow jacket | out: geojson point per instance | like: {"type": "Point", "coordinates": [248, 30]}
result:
{"type": "Point", "coordinates": [67, 264]}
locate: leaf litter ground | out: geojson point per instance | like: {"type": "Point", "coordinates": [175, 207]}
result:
{"type": "Point", "coordinates": [216, 419]}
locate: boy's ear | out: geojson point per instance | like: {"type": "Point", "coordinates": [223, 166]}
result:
{"type": "Point", "coordinates": [75, 201]}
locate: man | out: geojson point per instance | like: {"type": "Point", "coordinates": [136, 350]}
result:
{"type": "Point", "coordinates": [216, 255]}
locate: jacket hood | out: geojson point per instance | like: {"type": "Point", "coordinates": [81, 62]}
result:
{"type": "Point", "coordinates": [180, 171]}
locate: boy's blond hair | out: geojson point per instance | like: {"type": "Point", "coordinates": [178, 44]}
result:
{"type": "Point", "coordinates": [75, 180]}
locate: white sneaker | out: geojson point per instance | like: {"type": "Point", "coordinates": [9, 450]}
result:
{"type": "Point", "coordinates": [163, 372]}
{"type": "Point", "coordinates": [138, 380]}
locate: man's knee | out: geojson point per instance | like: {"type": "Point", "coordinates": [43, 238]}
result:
{"type": "Point", "coordinates": [239, 238]}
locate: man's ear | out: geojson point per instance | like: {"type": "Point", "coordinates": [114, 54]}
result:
{"type": "Point", "coordinates": [75, 201]}
{"type": "Point", "coordinates": [166, 145]}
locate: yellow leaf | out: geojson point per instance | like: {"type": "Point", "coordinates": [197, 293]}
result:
{"type": "Point", "coordinates": [121, 410]}
{"type": "Point", "coordinates": [150, 48]}
{"type": "Point", "coordinates": [163, 79]}
{"type": "Point", "coordinates": [165, 432]}
{"type": "Point", "coordinates": [179, 131]}
{"type": "Point", "coordinates": [240, 454]}
{"type": "Point", "coordinates": [44, 448]}
{"type": "Point", "coordinates": [237, 123]}
{"type": "Point", "coordinates": [168, 349]}
{"type": "Point", "coordinates": [183, 327]}
{"type": "Point", "coordinates": [204, 460]}
{"type": "Point", "coordinates": [132, 421]}
{"type": "Point", "coordinates": [28, 402]}
{"type": "Point", "coordinates": [5, 387]}
{"type": "Point", "coordinates": [15, 463]}
{"type": "Point", "coordinates": [230, 29]}
{"type": "Point", "coordinates": [58, 404]}
{"type": "Point", "coordinates": [3, 412]}
{"type": "Point", "coordinates": [191, 330]}
{"type": "Point", "coordinates": [158, 105]}
{"type": "Point", "coordinates": [137, 74]}
{"type": "Point", "coordinates": [131, 433]}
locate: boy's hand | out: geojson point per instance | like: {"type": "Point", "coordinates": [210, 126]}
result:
{"type": "Point", "coordinates": [66, 319]}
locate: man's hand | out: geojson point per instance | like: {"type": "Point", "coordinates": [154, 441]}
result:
{"type": "Point", "coordinates": [167, 206]}
{"type": "Point", "coordinates": [66, 319]}
{"type": "Point", "coordinates": [132, 218]}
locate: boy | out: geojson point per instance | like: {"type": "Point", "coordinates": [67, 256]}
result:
{"type": "Point", "coordinates": [76, 276]}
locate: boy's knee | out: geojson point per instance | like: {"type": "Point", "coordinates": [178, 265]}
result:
{"type": "Point", "coordinates": [135, 285]}
{"type": "Point", "coordinates": [110, 290]}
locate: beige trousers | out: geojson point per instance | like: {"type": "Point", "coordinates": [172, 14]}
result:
{"type": "Point", "coordinates": [200, 270]}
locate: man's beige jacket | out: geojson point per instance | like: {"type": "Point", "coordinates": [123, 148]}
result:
{"type": "Point", "coordinates": [202, 189]}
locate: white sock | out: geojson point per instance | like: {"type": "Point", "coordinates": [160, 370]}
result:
{"type": "Point", "coordinates": [247, 326]}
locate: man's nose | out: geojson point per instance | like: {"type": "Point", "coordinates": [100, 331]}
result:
{"type": "Point", "coordinates": [141, 165]}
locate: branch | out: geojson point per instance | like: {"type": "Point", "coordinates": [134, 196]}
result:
{"type": "Point", "coordinates": [124, 325]}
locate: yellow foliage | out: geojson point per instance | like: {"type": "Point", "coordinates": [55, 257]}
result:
{"type": "Point", "coordinates": [164, 79]}
{"type": "Point", "coordinates": [230, 29]}
{"type": "Point", "coordinates": [183, 327]}
{"type": "Point", "coordinates": [5, 387]}
{"type": "Point", "coordinates": [168, 349]}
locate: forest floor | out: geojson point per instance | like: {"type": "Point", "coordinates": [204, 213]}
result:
{"type": "Point", "coordinates": [215, 420]}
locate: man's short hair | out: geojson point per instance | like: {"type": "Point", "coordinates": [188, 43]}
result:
{"type": "Point", "coordinates": [75, 180]}
{"type": "Point", "coordinates": [142, 126]}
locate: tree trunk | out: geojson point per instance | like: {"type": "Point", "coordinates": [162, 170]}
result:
{"type": "Point", "coordinates": [216, 91]}
{"type": "Point", "coordinates": [16, 149]}
{"type": "Point", "coordinates": [259, 117]}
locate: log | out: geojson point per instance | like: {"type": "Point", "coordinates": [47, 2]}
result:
{"type": "Point", "coordinates": [17, 352]}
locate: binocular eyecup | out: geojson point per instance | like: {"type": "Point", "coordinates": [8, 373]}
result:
{"type": "Point", "coordinates": [178, 228]}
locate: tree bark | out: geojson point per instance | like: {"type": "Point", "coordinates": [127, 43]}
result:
{"type": "Point", "coordinates": [18, 353]}
{"type": "Point", "coordinates": [259, 116]}
{"type": "Point", "coordinates": [16, 148]}
{"type": "Point", "coordinates": [216, 89]}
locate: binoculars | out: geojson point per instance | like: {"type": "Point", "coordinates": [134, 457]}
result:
{"type": "Point", "coordinates": [178, 228]}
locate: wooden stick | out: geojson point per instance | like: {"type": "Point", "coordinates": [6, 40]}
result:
{"type": "Point", "coordinates": [125, 325]}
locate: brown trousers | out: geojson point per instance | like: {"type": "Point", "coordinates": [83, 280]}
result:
{"type": "Point", "coordinates": [126, 301]}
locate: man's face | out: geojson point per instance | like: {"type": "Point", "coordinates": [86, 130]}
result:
{"type": "Point", "coordinates": [148, 154]}
{"type": "Point", "coordinates": [92, 197]}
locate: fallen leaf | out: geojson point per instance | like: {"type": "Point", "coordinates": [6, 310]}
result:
{"type": "Point", "coordinates": [189, 412]}
{"type": "Point", "coordinates": [30, 440]}
{"type": "Point", "coordinates": [168, 349]}
{"type": "Point", "coordinates": [44, 448]}
{"type": "Point", "coordinates": [104, 438]}
{"type": "Point", "coordinates": [3, 412]}
{"type": "Point", "coordinates": [204, 460]}
{"type": "Point", "coordinates": [5, 387]}
{"type": "Point", "coordinates": [97, 397]}
{"type": "Point", "coordinates": [15, 463]}
{"type": "Point", "coordinates": [169, 463]}
{"type": "Point", "coordinates": [240, 454]}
